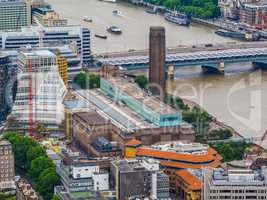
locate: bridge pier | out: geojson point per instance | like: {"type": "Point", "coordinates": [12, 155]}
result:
{"type": "Point", "coordinates": [214, 69]}
{"type": "Point", "coordinates": [259, 65]}
{"type": "Point", "coordinates": [170, 72]}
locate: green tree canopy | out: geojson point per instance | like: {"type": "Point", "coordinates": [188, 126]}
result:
{"type": "Point", "coordinates": [141, 81]}
{"type": "Point", "coordinates": [87, 81]}
{"type": "Point", "coordinates": [46, 182]}
{"type": "Point", "coordinates": [38, 165]}
{"type": "Point", "coordinates": [34, 152]}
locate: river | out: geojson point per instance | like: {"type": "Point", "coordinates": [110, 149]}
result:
{"type": "Point", "coordinates": [237, 98]}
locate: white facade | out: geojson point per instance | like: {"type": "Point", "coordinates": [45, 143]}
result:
{"type": "Point", "coordinates": [48, 89]}
{"type": "Point", "coordinates": [235, 184]}
{"type": "Point", "coordinates": [101, 181]}
{"type": "Point", "coordinates": [84, 171]}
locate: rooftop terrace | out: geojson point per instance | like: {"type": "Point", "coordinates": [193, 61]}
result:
{"type": "Point", "coordinates": [137, 93]}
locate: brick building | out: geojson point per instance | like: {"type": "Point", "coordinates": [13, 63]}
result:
{"type": "Point", "coordinates": [7, 171]}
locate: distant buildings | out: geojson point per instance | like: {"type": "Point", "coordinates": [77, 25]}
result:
{"type": "Point", "coordinates": [25, 191]}
{"type": "Point", "coordinates": [235, 184]}
{"type": "Point", "coordinates": [254, 14]}
{"type": "Point", "coordinates": [47, 17]}
{"type": "Point", "coordinates": [47, 88]}
{"type": "Point", "coordinates": [139, 179]}
{"type": "Point", "coordinates": [14, 14]}
{"type": "Point", "coordinates": [7, 167]}
{"type": "Point", "coordinates": [35, 36]}
{"type": "Point", "coordinates": [157, 56]}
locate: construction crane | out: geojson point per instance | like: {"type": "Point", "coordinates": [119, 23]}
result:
{"type": "Point", "coordinates": [30, 99]}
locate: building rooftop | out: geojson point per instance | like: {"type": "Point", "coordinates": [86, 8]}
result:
{"type": "Point", "coordinates": [182, 155]}
{"type": "Point", "coordinates": [39, 53]}
{"type": "Point", "coordinates": [239, 177]}
{"type": "Point", "coordinates": [4, 3]}
{"type": "Point", "coordinates": [35, 31]}
{"type": "Point", "coordinates": [91, 118]}
{"type": "Point", "coordinates": [133, 142]}
{"type": "Point", "coordinates": [131, 165]}
{"type": "Point", "coordinates": [192, 182]}
{"type": "Point", "coordinates": [134, 91]}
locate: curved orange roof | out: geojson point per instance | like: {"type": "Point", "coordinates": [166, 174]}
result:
{"type": "Point", "coordinates": [192, 181]}
{"type": "Point", "coordinates": [133, 142]}
{"type": "Point", "coordinates": [177, 165]}
{"type": "Point", "coordinates": [210, 156]}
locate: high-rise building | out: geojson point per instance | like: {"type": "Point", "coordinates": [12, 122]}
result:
{"type": "Point", "coordinates": [7, 73]}
{"type": "Point", "coordinates": [48, 89]}
{"type": "Point", "coordinates": [7, 173]}
{"type": "Point", "coordinates": [36, 36]}
{"type": "Point", "coordinates": [157, 56]}
{"type": "Point", "coordinates": [14, 14]}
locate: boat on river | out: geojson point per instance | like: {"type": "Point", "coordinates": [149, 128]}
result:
{"type": "Point", "coordinates": [114, 30]}
{"type": "Point", "coordinates": [109, 1]}
{"type": "Point", "coordinates": [116, 13]}
{"type": "Point", "coordinates": [177, 18]}
{"type": "Point", "coordinates": [87, 19]}
{"type": "Point", "coordinates": [243, 35]}
{"type": "Point", "coordinates": [101, 36]}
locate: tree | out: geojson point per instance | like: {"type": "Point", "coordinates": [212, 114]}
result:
{"type": "Point", "coordinates": [33, 153]}
{"type": "Point", "coordinates": [46, 183]}
{"type": "Point", "coordinates": [141, 81]}
{"type": "Point", "coordinates": [87, 81]}
{"type": "Point", "coordinates": [232, 150]}
{"type": "Point", "coordinates": [55, 197]}
{"type": "Point", "coordinates": [38, 165]}
{"type": "Point", "coordinates": [20, 146]}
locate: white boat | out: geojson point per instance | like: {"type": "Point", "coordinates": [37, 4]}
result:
{"type": "Point", "coordinates": [87, 19]}
{"type": "Point", "coordinates": [116, 13]}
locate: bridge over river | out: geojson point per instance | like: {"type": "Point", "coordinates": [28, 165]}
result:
{"type": "Point", "coordinates": [210, 57]}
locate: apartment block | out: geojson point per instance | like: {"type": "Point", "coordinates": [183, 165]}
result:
{"type": "Point", "coordinates": [7, 170]}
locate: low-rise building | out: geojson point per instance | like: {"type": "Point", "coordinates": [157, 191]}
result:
{"type": "Point", "coordinates": [7, 169]}
{"type": "Point", "coordinates": [47, 17]}
{"type": "Point", "coordinates": [235, 184]}
{"type": "Point", "coordinates": [139, 178]}
{"type": "Point", "coordinates": [83, 177]}
{"type": "Point", "coordinates": [25, 191]}
{"type": "Point", "coordinates": [177, 155]}
{"type": "Point", "coordinates": [188, 184]}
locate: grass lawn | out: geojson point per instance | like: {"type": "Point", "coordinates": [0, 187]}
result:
{"type": "Point", "coordinates": [81, 194]}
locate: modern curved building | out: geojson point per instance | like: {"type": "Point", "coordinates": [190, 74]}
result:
{"type": "Point", "coordinates": [178, 155]}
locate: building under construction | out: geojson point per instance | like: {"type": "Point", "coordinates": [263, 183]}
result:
{"type": "Point", "coordinates": [40, 90]}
